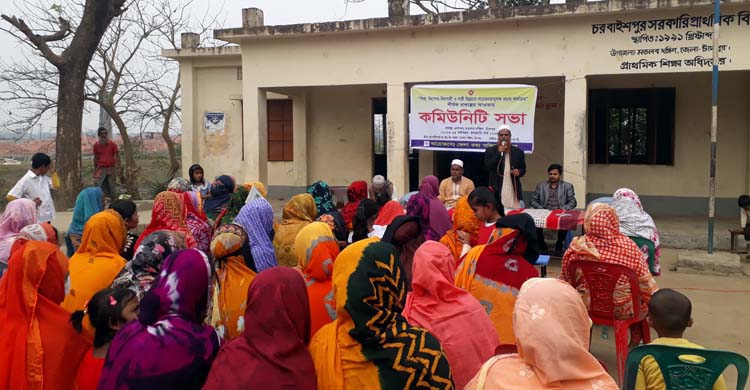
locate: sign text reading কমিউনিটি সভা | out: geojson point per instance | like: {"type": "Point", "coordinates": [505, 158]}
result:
{"type": "Point", "coordinates": [680, 34]}
{"type": "Point", "coordinates": [467, 117]}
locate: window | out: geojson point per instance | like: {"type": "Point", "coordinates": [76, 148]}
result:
{"type": "Point", "coordinates": [280, 130]}
{"type": "Point", "coordinates": [632, 126]}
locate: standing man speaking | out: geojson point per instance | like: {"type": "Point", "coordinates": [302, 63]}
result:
{"type": "Point", "coordinates": [506, 161]}
{"type": "Point", "coordinates": [106, 163]}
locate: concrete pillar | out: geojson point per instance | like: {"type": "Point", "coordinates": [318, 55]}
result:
{"type": "Point", "coordinates": [255, 128]}
{"type": "Point", "coordinates": [299, 115]}
{"type": "Point", "coordinates": [575, 140]}
{"type": "Point", "coordinates": [426, 163]}
{"type": "Point", "coordinates": [398, 138]}
{"type": "Point", "coordinates": [191, 124]}
{"type": "Point", "coordinates": [190, 40]}
{"type": "Point", "coordinates": [251, 18]}
{"type": "Point", "coordinates": [398, 8]}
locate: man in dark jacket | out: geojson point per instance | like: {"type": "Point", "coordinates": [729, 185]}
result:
{"type": "Point", "coordinates": [494, 162]}
{"type": "Point", "coordinates": [554, 194]}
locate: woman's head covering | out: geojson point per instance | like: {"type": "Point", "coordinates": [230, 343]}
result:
{"type": "Point", "coordinates": [430, 187]}
{"type": "Point", "coordinates": [221, 192]}
{"type": "Point", "coordinates": [420, 206]}
{"type": "Point", "coordinates": [524, 223]}
{"type": "Point", "coordinates": [370, 334]}
{"type": "Point", "coordinates": [43, 232]}
{"type": "Point", "coordinates": [405, 233]}
{"type": "Point", "coordinates": [88, 203]}
{"type": "Point", "coordinates": [634, 221]}
{"type": "Point", "coordinates": [231, 240]}
{"type": "Point", "coordinates": [389, 212]}
{"type": "Point", "coordinates": [256, 218]}
{"type": "Point", "coordinates": [236, 202]}
{"type": "Point", "coordinates": [179, 184]}
{"type": "Point", "coordinates": [38, 346]}
{"type": "Point", "coordinates": [97, 261]}
{"type": "Point", "coordinates": [169, 213]}
{"type": "Point", "coordinates": [316, 250]}
{"type": "Point", "coordinates": [455, 317]}
{"type": "Point", "coordinates": [18, 213]}
{"type": "Point", "coordinates": [464, 220]}
{"type": "Point", "coordinates": [323, 198]}
{"type": "Point", "coordinates": [550, 321]}
{"type": "Point", "coordinates": [273, 351]}
{"type": "Point", "coordinates": [169, 347]}
{"type": "Point", "coordinates": [298, 213]}
{"type": "Point", "coordinates": [140, 273]}
{"type": "Point", "coordinates": [355, 193]}
{"type": "Point", "coordinates": [335, 221]}
{"type": "Point", "coordinates": [192, 170]}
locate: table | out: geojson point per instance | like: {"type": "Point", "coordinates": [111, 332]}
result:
{"type": "Point", "coordinates": [553, 219]}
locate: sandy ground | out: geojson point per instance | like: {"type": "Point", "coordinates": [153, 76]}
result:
{"type": "Point", "coordinates": [720, 313]}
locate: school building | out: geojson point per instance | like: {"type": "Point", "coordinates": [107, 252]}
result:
{"type": "Point", "coordinates": [624, 96]}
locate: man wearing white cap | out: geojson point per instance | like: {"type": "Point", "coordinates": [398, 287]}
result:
{"type": "Point", "coordinates": [455, 186]}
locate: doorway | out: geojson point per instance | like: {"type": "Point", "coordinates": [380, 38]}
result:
{"type": "Point", "coordinates": [380, 147]}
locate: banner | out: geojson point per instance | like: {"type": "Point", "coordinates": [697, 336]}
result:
{"type": "Point", "coordinates": [467, 118]}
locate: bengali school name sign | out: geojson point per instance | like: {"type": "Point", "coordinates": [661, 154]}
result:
{"type": "Point", "coordinates": [466, 118]}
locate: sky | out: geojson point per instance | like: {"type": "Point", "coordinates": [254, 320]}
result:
{"type": "Point", "coordinates": [275, 12]}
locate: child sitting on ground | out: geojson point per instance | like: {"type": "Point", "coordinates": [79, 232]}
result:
{"type": "Point", "coordinates": [485, 202]}
{"type": "Point", "coordinates": [669, 313]}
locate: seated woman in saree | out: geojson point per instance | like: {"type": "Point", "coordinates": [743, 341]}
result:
{"type": "Point", "coordinates": [169, 213]}
{"type": "Point", "coordinates": [604, 242]}
{"type": "Point", "coordinates": [168, 347]}
{"type": "Point", "coordinates": [405, 233]}
{"type": "Point", "coordinates": [97, 262]}
{"type": "Point", "coordinates": [235, 271]}
{"type": "Point", "coordinates": [236, 202]}
{"type": "Point", "coordinates": [371, 345]}
{"type": "Point", "coordinates": [550, 322]}
{"type": "Point", "coordinates": [363, 225]}
{"type": "Point", "coordinates": [140, 273]}
{"type": "Point", "coordinates": [493, 273]}
{"type": "Point", "coordinates": [256, 218]}
{"type": "Point", "coordinates": [356, 192]}
{"type": "Point", "coordinates": [317, 250]}
{"type": "Point", "coordinates": [465, 232]}
{"type": "Point", "coordinates": [431, 211]}
{"type": "Point", "coordinates": [272, 352]}
{"type": "Point", "coordinates": [197, 221]}
{"type": "Point", "coordinates": [388, 212]}
{"type": "Point", "coordinates": [327, 211]}
{"type": "Point", "coordinates": [299, 212]}
{"type": "Point", "coordinates": [89, 202]}
{"type": "Point", "coordinates": [128, 210]}
{"type": "Point", "coordinates": [455, 317]}
{"type": "Point", "coordinates": [18, 214]}
{"type": "Point", "coordinates": [39, 349]}
{"type": "Point", "coordinates": [639, 226]}
{"type": "Point", "coordinates": [221, 192]}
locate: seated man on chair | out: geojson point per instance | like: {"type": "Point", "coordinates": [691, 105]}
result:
{"type": "Point", "coordinates": [554, 194]}
{"type": "Point", "coordinates": [456, 186]}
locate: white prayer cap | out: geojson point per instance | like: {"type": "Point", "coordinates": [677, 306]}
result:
{"type": "Point", "coordinates": [378, 180]}
{"type": "Point", "coordinates": [457, 162]}
{"type": "Point", "coordinates": [503, 127]}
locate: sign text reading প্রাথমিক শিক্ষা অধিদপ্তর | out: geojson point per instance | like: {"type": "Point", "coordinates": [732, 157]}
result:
{"type": "Point", "coordinates": [681, 42]}
{"type": "Point", "coordinates": [467, 117]}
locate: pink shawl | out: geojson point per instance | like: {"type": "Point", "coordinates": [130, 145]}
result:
{"type": "Point", "coordinates": [451, 314]}
{"type": "Point", "coordinates": [552, 332]}
{"type": "Point", "coordinates": [18, 214]}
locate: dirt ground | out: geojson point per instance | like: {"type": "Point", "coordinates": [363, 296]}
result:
{"type": "Point", "coordinates": [720, 313]}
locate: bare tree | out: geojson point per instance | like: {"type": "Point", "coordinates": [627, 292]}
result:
{"type": "Point", "coordinates": [71, 60]}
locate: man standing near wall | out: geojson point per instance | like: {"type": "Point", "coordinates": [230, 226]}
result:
{"type": "Point", "coordinates": [106, 163]}
{"type": "Point", "coordinates": [506, 161]}
{"type": "Point", "coordinates": [455, 186]}
{"type": "Point", "coordinates": [554, 194]}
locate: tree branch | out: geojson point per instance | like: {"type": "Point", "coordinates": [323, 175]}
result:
{"type": "Point", "coordinates": [40, 41]}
